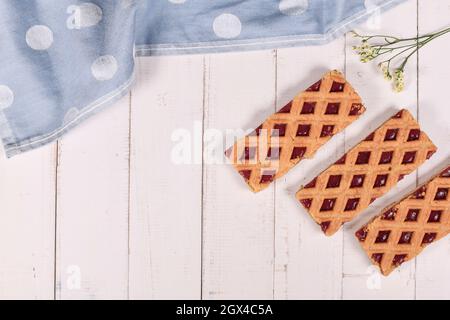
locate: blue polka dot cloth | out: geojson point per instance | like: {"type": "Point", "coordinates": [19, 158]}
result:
{"type": "Point", "coordinates": [62, 61]}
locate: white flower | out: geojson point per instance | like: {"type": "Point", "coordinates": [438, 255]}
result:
{"type": "Point", "coordinates": [386, 72]}
{"type": "Point", "coordinates": [399, 80]}
{"type": "Point", "coordinates": [366, 52]}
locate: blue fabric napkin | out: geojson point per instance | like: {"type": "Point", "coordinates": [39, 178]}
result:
{"type": "Point", "coordinates": [62, 61]}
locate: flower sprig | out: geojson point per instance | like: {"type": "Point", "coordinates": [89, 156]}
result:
{"type": "Point", "coordinates": [395, 51]}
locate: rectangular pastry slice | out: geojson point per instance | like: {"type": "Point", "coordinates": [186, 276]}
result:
{"type": "Point", "coordinates": [366, 172]}
{"type": "Point", "coordinates": [403, 230]}
{"type": "Point", "coordinates": [296, 131]}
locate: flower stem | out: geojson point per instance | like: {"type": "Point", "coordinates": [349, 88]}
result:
{"type": "Point", "coordinates": [375, 46]}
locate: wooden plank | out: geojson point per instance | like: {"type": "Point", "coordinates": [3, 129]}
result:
{"type": "Point", "coordinates": [238, 243]}
{"type": "Point", "coordinates": [433, 264]}
{"type": "Point", "coordinates": [92, 208]}
{"type": "Point", "coordinates": [27, 226]}
{"type": "Point", "coordinates": [165, 193]}
{"type": "Point", "coordinates": [362, 280]}
{"type": "Point", "coordinates": [301, 270]}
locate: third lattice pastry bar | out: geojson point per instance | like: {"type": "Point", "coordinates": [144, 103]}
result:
{"type": "Point", "coordinates": [366, 172]}
{"type": "Point", "coordinates": [403, 230]}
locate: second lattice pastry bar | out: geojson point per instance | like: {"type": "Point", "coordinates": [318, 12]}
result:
{"type": "Point", "coordinates": [366, 172]}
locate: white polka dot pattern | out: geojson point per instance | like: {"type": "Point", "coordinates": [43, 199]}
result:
{"type": "Point", "coordinates": [227, 26]}
{"type": "Point", "coordinates": [6, 97]}
{"type": "Point", "coordinates": [39, 37]}
{"type": "Point", "coordinates": [104, 68]}
{"type": "Point", "coordinates": [293, 7]}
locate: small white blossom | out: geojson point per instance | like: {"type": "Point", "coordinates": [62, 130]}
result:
{"type": "Point", "coordinates": [366, 52]}
{"type": "Point", "coordinates": [399, 80]}
{"type": "Point", "coordinates": [386, 72]}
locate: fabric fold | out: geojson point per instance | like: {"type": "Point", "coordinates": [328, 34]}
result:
{"type": "Point", "coordinates": [64, 61]}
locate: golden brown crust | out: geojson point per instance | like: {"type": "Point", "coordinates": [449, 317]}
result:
{"type": "Point", "coordinates": [296, 131]}
{"type": "Point", "coordinates": [366, 172]}
{"type": "Point", "coordinates": [404, 229]}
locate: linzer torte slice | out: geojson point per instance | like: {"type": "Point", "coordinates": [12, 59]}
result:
{"type": "Point", "coordinates": [366, 172]}
{"type": "Point", "coordinates": [296, 131]}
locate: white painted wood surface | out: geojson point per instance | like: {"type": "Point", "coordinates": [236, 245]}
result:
{"type": "Point", "coordinates": [108, 213]}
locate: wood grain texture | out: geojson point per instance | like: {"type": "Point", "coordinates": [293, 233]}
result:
{"type": "Point", "coordinates": [135, 219]}
{"type": "Point", "coordinates": [361, 280]}
{"type": "Point", "coordinates": [27, 213]}
{"type": "Point", "coordinates": [238, 244]}
{"type": "Point", "coordinates": [165, 189]}
{"type": "Point", "coordinates": [92, 208]}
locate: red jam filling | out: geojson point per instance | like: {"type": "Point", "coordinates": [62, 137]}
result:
{"type": "Point", "coordinates": [327, 130]}
{"type": "Point", "coordinates": [405, 237]}
{"type": "Point", "coordinates": [337, 87]}
{"type": "Point", "coordinates": [279, 130]}
{"type": "Point", "coordinates": [286, 108]}
{"type": "Point", "coordinates": [398, 259]}
{"type": "Point", "coordinates": [391, 135]}
{"type": "Point", "coordinates": [341, 160]}
{"type": "Point", "coordinates": [311, 184]}
{"type": "Point", "coordinates": [419, 193]}
{"type": "Point", "coordinates": [398, 115]}
{"type": "Point", "coordinates": [412, 215]}
{"type": "Point", "coordinates": [363, 157]}
{"type": "Point", "coordinates": [315, 87]}
{"type": "Point", "coordinates": [334, 181]}
{"type": "Point", "coordinates": [355, 109]}
{"type": "Point", "coordinates": [377, 257]}
{"type": "Point", "coordinates": [435, 216]}
{"type": "Point", "coordinates": [441, 194]}
{"type": "Point", "coordinates": [303, 130]}
{"type": "Point", "coordinates": [245, 174]}
{"type": "Point", "coordinates": [298, 152]}
{"type": "Point", "coordinates": [370, 137]}
{"type": "Point", "coordinates": [333, 108]}
{"type": "Point", "coordinates": [361, 234]}
{"type": "Point", "coordinates": [308, 108]}
{"type": "Point", "coordinates": [351, 204]}
{"type": "Point", "coordinates": [383, 236]}
{"type": "Point", "coordinates": [409, 157]}
{"type": "Point", "coordinates": [386, 157]}
{"type": "Point", "coordinates": [390, 214]}
{"type": "Point", "coordinates": [357, 181]}
{"type": "Point", "coordinates": [328, 205]}
{"type": "Point", "coordinates": [325, 225]}
{"type": "Point", "coordinates": [414, 135]}
{"type": "Point", "coordinates": [306, 203]}
{"type": "Point", "coordinates": [429, 237]}
{"type": "Point", "coordinates": [445, 173]}
{"type": "Point", "coordinates": [380, 181]}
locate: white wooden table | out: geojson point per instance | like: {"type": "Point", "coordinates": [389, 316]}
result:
{"type": "Point", "coordinates": [105, 213]}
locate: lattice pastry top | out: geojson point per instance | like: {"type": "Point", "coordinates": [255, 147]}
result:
{"type": "Point", "coordinates": [296, 131]}
{"type": "Point", "coordinates": [403, 230]}
{"type": "Point", "coordinates": [366, 172]}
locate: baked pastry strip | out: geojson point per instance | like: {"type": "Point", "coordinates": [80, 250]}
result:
{"type": "Point", "coordinates": [404, 229]}
{"type": "Point", "coordinates": [296, 131]}
{"type": "Point", "coordinates": [366, 172]}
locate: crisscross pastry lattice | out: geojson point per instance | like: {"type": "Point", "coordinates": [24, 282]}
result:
{"type": "Point", "coordinates": [296, 131]}
{"type": "Point", "coordinates": [366, 172]}
{"type": "Point", "coordinates": [403, 230]}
